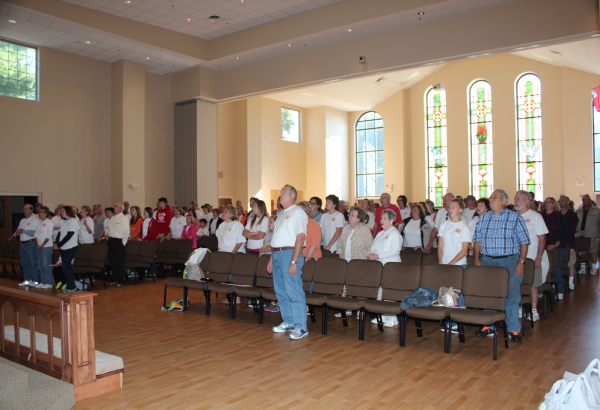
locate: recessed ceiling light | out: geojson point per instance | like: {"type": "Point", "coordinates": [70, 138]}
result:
{"type": "Point", "coordinates": [237, 58]}
{"type": "Point", "coordinates": [188, 19]}
{"type": "Point", "coordinates": [12, 21]}
{"type": "Point", "coordinates": [87, 42]}
{"type": "Point", "coordinates": [542, 57]}
{"type": "Point", "coordinates": [242, 1]}
{"type": "Point", "coordinates": [128, 2]}
{"type": "Point", "coordinates": [349, 30]}
{"type": "Point", "coordinates": [289, 45]}
{"type": "Point", "coordinates": [421, 13]}
{"type": "Point", "coordinates": [147, 58]}
{"type": "Point", "coordinates": [307, 95]}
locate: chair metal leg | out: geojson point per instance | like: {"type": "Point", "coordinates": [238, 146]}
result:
{"type": "Point", "coordinates": [403, 329]}
{"type": "Point", "coordinates": [344, 318]}
{"type": "Point", "coordinates": [503, 323]}
{"type": "Point", "coordinates": [261, 310]}
{"type": "Point", "coordinates": [207, 297]}
{"type": "Point", "coordinates": [447, 336]}
{"type": "Point", "coordinates": [325, 318]}
{"type": "Point", "coordinates": [419, 328]}
{"type": "Point", "coordinates": [361, 324]}
{"type": "Point", "coordinates": [379, 323]}
{"type": "Point", "coordinates": [165, 297]}
{"type": "Point", "coordinates": [495, 344]}
{"type": "Point", "coordinates": [186, 301]}
{"type": "Point", "coordinates": [232, 305]}
{"type": "Point", "coordinates": [461, 332]}
{"type": "Point", "coordinates": [311, 310]}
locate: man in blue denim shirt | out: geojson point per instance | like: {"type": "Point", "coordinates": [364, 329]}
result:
{"type": "Point", "coordinates": [501, 239]}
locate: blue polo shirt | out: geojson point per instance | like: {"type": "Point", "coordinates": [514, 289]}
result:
{"type": "Point", "coordinates": [502, 234]}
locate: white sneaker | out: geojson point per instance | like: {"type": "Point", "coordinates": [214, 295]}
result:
{"type": "Point", "coordinates": [536, 315]}
{"type": "Point", "coordinates": [593, 272]}
{"type": "Point", "coordinates": [560, 296]}
{"type": "Point", "coordinates": [44, 286]}
{"type": "Point", "coordinates": [298, 334]}
{"type": "Point", "coordinates": [26, 283]}
{"type": "Point", "coordinates": [283, 328]}
{"type": "Point", "coordinates": [390, 324]}
{"type": "Point", "coordinates": [348, 313]}
{"type": "Point", "coordinates": [374, 321]}
{"type": "Point", "coordinates": [571, 286]}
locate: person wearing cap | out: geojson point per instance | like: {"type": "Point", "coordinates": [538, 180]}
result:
{"type": "Point", "coordinates": [470, 205]}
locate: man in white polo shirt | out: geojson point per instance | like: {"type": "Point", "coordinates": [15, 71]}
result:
{"type": "Point", "coordinates": [26, 234]}
{"type": "Point", "coordinates": [286, 264]}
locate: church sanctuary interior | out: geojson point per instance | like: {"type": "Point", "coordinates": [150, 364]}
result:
{"type": "Point", "coordinates": [184, 99]}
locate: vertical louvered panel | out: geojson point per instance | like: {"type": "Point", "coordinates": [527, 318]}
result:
{"type": "Point", "coordinates": [185, 153]}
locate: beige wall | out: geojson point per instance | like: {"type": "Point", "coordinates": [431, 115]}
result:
{"type": "Point", "coordinates": [233, 150]}
{"type": "Point", "coordinates": [60, 145]}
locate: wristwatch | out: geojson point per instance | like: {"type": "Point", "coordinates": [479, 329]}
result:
{"type": "Point", "coordinates": [523, 262]}
{"type": "Point", "coordinates": [293, 262]}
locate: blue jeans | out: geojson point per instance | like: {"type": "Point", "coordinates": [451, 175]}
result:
{"type": "Point", "coordinates": [44, 259]}
{"type": "Point", "coordinates": [28, 261]}
{"type": "Point", "coordinates": [560, 286]}
{"type": "Point", "coordinates": [288, 288]}
{"type": "Point", "coordinates": [514, 289]}
{"type": "Point", "coordinates": [66, 256]}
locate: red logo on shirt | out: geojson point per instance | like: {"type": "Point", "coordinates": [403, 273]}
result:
{"type": "Point", "coordinates": [386, 237]}
{"type": "Point", "coordinates": [527, 220]}
{"type": "Point", "coordinates": [229, 230]}
{"type": "Point", "coordinates": [457, 231]}
{"type": "Point", "coordinates": [287, 217]}
{"type": "Point", "coordinates": [332, 219]}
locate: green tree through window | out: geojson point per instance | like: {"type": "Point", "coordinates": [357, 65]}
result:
{"type": "Point", "coordinates": [290, 125]}
{"type": "Point", "coordinates": [18, 71]}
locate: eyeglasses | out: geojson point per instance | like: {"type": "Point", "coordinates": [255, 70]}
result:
{"type": "Point", "coordinates": [495, 197]}
{"type": "Point", "coordinates": [313, 203]}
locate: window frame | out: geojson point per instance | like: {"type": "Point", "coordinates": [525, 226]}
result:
{"type": "Point", "coordinates": [299, 125]}
{"type": "Point", "coordinates": [481, 140]}
{"type": "Point", "coordinates": [36, 74]}
{"type": "Point", "coordinates": [596, 143]}
{"type": "Point", "coordinates": [434, 196]}
{"type": "Point", "coordinates": [363, 118]}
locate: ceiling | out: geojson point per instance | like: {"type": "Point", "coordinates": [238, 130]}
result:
{"type": "Point", "coordinates": [359, 93]}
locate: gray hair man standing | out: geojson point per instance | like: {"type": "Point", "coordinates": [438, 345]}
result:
{"type": "Point", "coordinates": [589, 227]}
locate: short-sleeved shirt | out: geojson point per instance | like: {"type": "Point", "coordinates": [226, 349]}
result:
{"type": "Point", "coordinates": [313, 238]}
{"type": "Point", "coordinates": [98, 225]}
{"type": "Point", "coordinates": [28, 226]}
{"type": "Point", "coordinates": [454, 234]}
{"type": "Point", "coordinates": [229, 235]}
{"type": "Point", "coordinates": [329, 223]}
{"type": "Point", "coordinates": [502, 234]}
{"type": "Point", "coordinates": [259, 226]}
{"type": "Point", "coordinates": [44, 231]}
{"type": "Point", "coordinates": [379, 212]}
{"type": "Point", "coordinates": [84, 236]}
{"type": "Point", "coordinates": [290, 222]}
{"type": "Point", "coordinates": [535, 227]}
{"type": "Point", "coordinates": [441, 217]}
{"type": "Point", "coordinates": [176, 226]}
{"type": "Point", "coordinates": [412, 233]}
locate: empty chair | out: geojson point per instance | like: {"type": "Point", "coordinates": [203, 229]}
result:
{"type": "Point", "coordinates": [98, 261]}
{"type": "Point", "coordinates": [82, 260]}
{"type": "Point", "coordinates": [526, 300]}
{"type": "Point", "coordinates": [363, 278]}
{"type": "Point", "coordinates": [264, 280]}
{"type": "Point", "coordinates": [219, 268]}
{"type": "Point", "coordinates": [435, 277]}
{"type": "Point", "coordinates": [398, 280]}
{"type": "Point", "coordinates": [409, 255]}
{"type": "Point", "coordinates": [243, 270]}
{"type": "Point", "coordinates": [430, 258]}
{"type": "Point", "coordinates": [582, 251]}
{"type": "Point", "coordinates": [132, 254]}
{"type": "Point", "coordinates": [177, 283]}
{"type": "Point", "coordinates": [146, 259]}
{"type": "Point", "coordinates": [328, 277]}
{"type": "Point", "coordinates": [485, 289]}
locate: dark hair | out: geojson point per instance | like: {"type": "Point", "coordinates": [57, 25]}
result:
{"type": "Point", "coordinates": [404, 199]}
{"type": "Point", "coordinates": [133, 219]}
{"type": "Point", "coordinates": [486, 202]}
{"type": "Point", "coordinates": [149, 210]}
{"type": "Point", "coordinates": [420, 209]}
{"type": "Point", "coordinates": [163, 199]}
{"type": "Point", "coordinates": [318, 200]}
{"type": "Point", "coordinates": [69, 211]}
{"type": "Point", "coordinates": [110, 209]}
{"type": "Point", "coordinates": [203, 220]}
{"type": "Point", "coordinates": [334, 199]}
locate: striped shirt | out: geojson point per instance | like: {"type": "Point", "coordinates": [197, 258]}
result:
{"type": "Point", "coordinates": [502, 234]}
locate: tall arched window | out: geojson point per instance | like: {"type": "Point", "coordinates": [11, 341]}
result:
{"type": "Point", "coordinates": [437, 147]}
{"type": "Point", "coordinates": [369, 155]}
{"type": "Point", "coordinates": [480, 131]}
{"type": "Point", "coordinates": [529, 134]}
{"type": "Point", "coordinates": [596, 136]}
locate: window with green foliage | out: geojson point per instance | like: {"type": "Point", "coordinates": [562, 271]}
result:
{"type": "Point", "coordinates": [18, 71]}
{"type": "Point", "coordinates": [290, 125]}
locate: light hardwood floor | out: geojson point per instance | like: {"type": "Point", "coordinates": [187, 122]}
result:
{"type": "Point", "coordinates": [186, 360]}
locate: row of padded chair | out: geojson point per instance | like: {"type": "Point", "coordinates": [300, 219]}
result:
{"type": "Point", "coordinates": [174, 252]}
{"type": "Point", "coordinates": [139, 257]}
{"type": "Point", "coordinates": [10, 256]}
{"type": "Point", "coordinates": [485, 290]}
{"type": "Point", "coordinates": [90, 261]}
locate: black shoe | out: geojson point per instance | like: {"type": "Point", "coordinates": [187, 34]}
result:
{"type": "Point", "coordinates": [485, 332]}
{"type": "Point", "coordinates": [120, 284]}
{"type": "Point", "coordinates": [516, 337]}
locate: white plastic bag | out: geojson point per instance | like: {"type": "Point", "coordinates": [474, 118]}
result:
{"type": "Point", "coordinates": [592, 375]}
{"type": "Point", "coordinates": [570, 395]}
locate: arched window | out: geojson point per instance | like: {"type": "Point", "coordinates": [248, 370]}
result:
{"type": "Point", "coordinates": [480, 131]}
{"type": "Point", "coordinates": [369, 155]}
{"type": "Point", "coordinates": [529, 134]}
{"type": "Point", "coordinates": [437, 147]}
{"type": "Point", "coordinates": [596, 132]}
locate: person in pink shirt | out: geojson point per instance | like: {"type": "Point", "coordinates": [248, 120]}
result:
{"type": "Point", "coordinates": [189, 230]}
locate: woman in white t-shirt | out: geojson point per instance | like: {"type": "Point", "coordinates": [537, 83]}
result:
{"type": "Point", "coordinates": [177, 224]}
{"type": "Point", "coordinates": [147, 222]}
{"type": "Point", "coordinates": [230, 232]}
{"type": "Point", "coordinates": [66, 242]}
{"type": "Point", "coordinates": [43, 244]}
{"type": "Point", "coordinates": [86, 225]}
{"type": "Point", "coordinates": [454, 237]}
{"type": "Point", "coordinates": [56, 221]}
{"type": "Point", "coordinates": [257, 227]}
{"type": "Point", "coordinates": [416, 230]}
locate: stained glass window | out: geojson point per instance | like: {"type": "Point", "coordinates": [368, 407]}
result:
{"type": "Point", "coordinates": [596, 131]}
{"type": "Point", "coordinates": [480, 131]}
{"type": "Point", "coordinates": [437, 147]}
{"type": "Point", "coordinates": [529, 134]}
{"type": "Point", "coordinates": [369, 155]}
{"type": "Point", "coordinates": [18, 71]}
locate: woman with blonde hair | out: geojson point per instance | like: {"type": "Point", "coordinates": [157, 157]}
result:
{"type": "Point", "coordinates": [230, 232]}
{"type": "Point", "coordinates": [177, 224]}
{"type": "Point", "coordinates": [257, 227]}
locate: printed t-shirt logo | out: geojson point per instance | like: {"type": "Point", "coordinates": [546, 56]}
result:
{"type": "Point", "coordinates": [386, 237]}
{"type": "Point", "coordinates": [161, 217]}
{"type": "Point", "coordinates": [332, 219]}
{"type": "Point", "coordinates": [457, 230]}
{"type": "Point", "coordinates": [287, 217]}
{"type": "Point", "coordinates": [527, 220]}
{"type": "Point", "coordinates": [229, 230]}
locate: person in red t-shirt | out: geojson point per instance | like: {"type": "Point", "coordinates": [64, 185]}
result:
{"type": "Point", "coordinates": [386, 200]}
{"type": "Point", "coordinates": [161, 219]}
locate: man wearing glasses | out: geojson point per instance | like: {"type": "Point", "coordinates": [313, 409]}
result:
{"type": "Point", "coordinates": [501, 239]}
{"type": "Point", "coordinates": [118, 232]}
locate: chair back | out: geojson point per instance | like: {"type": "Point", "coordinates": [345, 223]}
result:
{"type": "Point", "coordinates": [219, 266]}
{"type": "Point", "coordinates": [528, 277]}
{"type": "Point", "coordinates": [308, 271]}
{"type": "Point", "coordinates": [147, 253]}
{"type": "Point", "coordinates": [99, 253]}
{"type": "Point", "coordinates": [329, 276]}
{"type": "Point", "coordinates": [243, 268]}
{"type": "Point", "coordinates": [326, 253]}
{"type": "Point", "coordinates": [263, 278]}
{"type": "Point", "coordinates": [4, 248]}
{"type": "Point", "coordinates": [183, 250]}
{"type": "Point", "coordinates": [430, 258]}
{"type": "Point", "coordinates": [16, 249]}
{"type": "Point", "coordinates": [485, 287]}
{"type": "Point", "coordinates": [132, 252]}
{"type": "Point", "coordinates": [436, 276]}
{"type": "Point", "coordinates": [84, 254]}
{"type": "Point", "coordinates": [470, 260]}
{"type": "Point", "coordinates": [169, 250]}
{"type": "Point", "coordinates": [409, 255]}
{"type": "Point", "coordinates": [399, 279]}
{"type": "Point", "coordinates": [566, 260]}
{"type": "Point", "coordinates": [582, 248]}
{"type": "Point", "coordinates": [205, 262]}
{"type": "Point", "coordinates": [363, 278]}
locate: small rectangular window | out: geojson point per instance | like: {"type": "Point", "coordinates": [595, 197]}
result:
{"type": "Point", "coordinates": [18, 71]}
{"type": "Point", "coordinates": [290, 125]}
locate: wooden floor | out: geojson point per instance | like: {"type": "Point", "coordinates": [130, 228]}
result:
{"type": "Point", "coordinates": [186, 360]}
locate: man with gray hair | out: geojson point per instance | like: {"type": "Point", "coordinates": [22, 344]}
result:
{"type": "Point", "coordinates": [286, 263]}
{"type": "Point", "coordinates": [501, 239]}
{"type": "Point", "coordinates": [536, 227]}
{"type": "Point", "coordinates": [572, 222]}
{"type": "Point", "coordinates": [589, 227]}
{"type": "Point", "coordinates": [440, 218]}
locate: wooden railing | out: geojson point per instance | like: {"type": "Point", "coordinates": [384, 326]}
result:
{"type": "Point", "coordinates": [77, 364]}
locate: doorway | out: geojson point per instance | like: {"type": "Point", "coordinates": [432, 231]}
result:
{"type": "Point", "coordinates": [11, 211]}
